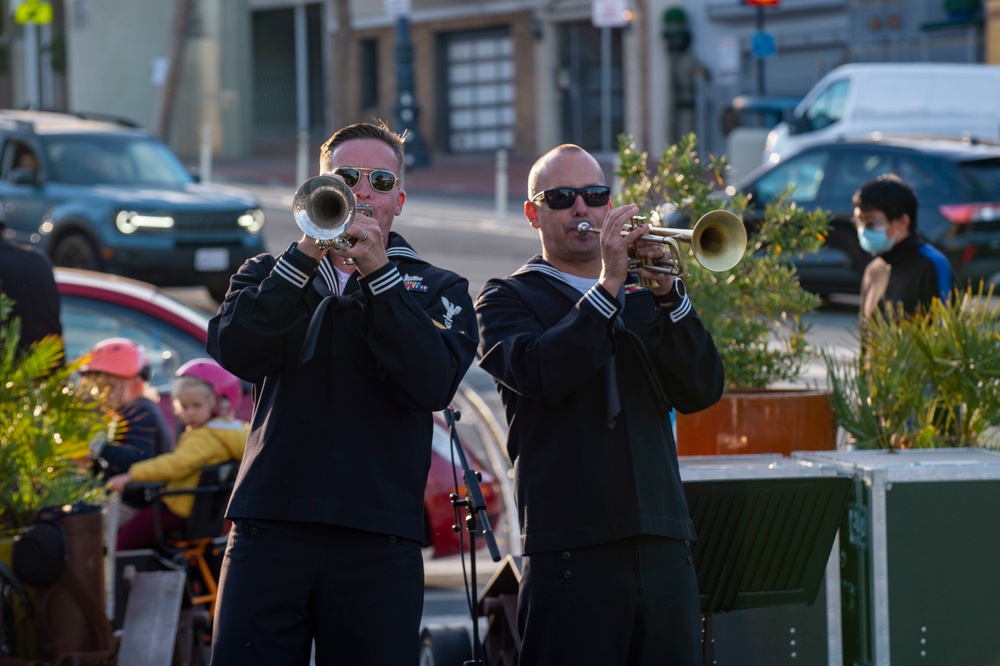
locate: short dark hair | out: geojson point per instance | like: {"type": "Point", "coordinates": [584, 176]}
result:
{"type": "Point", "coordinates": [888, 194]}
{"type": "Point", "coordinates": [377, 129]}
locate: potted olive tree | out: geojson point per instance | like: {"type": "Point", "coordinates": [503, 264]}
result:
{"type": "Point", "coordinates": [754, 310]}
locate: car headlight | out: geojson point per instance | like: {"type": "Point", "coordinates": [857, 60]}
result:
{"type": "Point", "coordinates": [252, 220]}
{"type": "Point", "coordinates": [128, 221]}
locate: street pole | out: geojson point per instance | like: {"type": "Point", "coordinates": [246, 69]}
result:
{"type": "Point", "coordinates": [31, 90]}
{"type": "Point", "coordinates": [407, 109]}
{"type": "Point", "coordinates": [606, 90]}
{"type": "Point", "coordinates": [301, 95]}
{"type": "Point", "coordinates": [760, 59]}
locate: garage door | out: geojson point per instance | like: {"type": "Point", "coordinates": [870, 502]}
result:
{"type": "Point", "coordinates": [478, 90]}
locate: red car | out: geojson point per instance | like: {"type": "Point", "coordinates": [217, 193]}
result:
{"type": "Point", "coordinates": [96, 306]}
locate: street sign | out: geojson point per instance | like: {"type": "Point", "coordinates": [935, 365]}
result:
{"type": "Point", "coordinates": [397, 8]}
{"type": "Point", "coordinates": [33, 12]}
{"type": "Point", "coordinates": [762, 44]}
{"type": "Point", "coordinates": [609, 13]}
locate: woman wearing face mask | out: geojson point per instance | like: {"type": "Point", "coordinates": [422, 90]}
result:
{"type": "Point", "coordinates": [906, 270]}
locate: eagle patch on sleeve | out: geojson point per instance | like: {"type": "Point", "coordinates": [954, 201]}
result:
{"type": "Point", "coordinates": [450, 310]}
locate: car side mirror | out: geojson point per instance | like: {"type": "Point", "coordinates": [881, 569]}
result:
{"type": "Point", "coordinates": [22, 176]}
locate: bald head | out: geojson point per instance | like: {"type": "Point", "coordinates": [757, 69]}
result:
{"type": "Point", "coordinates": [539, 176]}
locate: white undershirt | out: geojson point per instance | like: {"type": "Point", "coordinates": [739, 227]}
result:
{"type": "Point", "coordinates": [582, 284]}
{"type": "Point", "coordinates": [342, 279]}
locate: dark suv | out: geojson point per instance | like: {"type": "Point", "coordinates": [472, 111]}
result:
{"type": "Point", "coordinates": [957, 185]}
{"type": "Point", "coordinates": [109, 196]}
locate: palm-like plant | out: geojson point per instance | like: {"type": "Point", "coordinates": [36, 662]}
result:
{"type": "Point", "coordinates": [930, 380]}
{"type": "Point", "coordinates": [46, 423]}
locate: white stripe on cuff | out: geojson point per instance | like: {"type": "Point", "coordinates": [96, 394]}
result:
{"type": "Point", "coordinates": [682, 310]}
{"type": "Point", "coordinates": [386, 282]}
{"type": "Point", "coordinates": [286, 270]}
{"type": "Point", "coordinates": [599, 301]}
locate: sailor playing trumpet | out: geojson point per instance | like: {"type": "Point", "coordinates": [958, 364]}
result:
{"type": "Point", "coordinates": [349, 364]}
{"type": "Point", "coordinates": [589, 365]}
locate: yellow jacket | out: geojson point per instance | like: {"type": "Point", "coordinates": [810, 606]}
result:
{"type": "Point", "coordinates": [215, 442]}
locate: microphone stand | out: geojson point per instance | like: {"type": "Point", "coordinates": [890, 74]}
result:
{"type": "Point", "coordinates": [477, 523]}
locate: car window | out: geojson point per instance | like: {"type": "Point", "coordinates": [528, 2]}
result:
{"type": "Point", "coordinates": [16, 155]}
{"type": "Point", "coordinates": [86, 322]}
{"type": "Point", "coordinates": [851, 169]}
{"type": "Point", "coordinates": [983, 177]}
{"type": "Point", "coordinates": [804, 173]}
{"type": "Point", "coordinates": [921, 177]}
{"type": "Point", "coordinates": [127, 160]}
{"type": "Point", "coordinates": [827, 108]}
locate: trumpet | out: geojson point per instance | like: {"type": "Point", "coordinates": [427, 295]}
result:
{"type": "Point", "coordinates": [718, 241]}
{"type": "Point", "coordinates": [324, 208]}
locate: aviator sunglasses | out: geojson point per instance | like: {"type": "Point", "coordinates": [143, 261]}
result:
{"type": "Point", "coordinates": [564, 197]}
{"type": "Point", "coordinates": [382, 180]}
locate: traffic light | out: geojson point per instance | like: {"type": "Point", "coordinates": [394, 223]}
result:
{"type": "Point", "coordinates": [762, 3]}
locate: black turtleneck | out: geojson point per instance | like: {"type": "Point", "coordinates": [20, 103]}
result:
{"type": "Point", "coordinates": [912, 272]}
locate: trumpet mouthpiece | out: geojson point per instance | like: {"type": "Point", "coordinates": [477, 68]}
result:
{"type": "Point", "coordinates": [585, 227]}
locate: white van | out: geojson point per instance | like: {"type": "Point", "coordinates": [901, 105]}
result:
{"type": "Point", "coordinates": [917, 99]}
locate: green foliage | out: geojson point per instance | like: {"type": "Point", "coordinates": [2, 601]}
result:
{"type": "Point", "coordinates": [931, 380]}
{"type": "Point", "coordinates": [754, 310]}
{"type": "Point", "coordinates": [46, 423]}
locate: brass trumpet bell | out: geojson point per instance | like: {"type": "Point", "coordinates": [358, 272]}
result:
{"type": "Point", "coordinates": [718, 240]}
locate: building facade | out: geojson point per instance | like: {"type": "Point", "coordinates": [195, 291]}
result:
{"type": "Point", "coordinates": [485, 75]}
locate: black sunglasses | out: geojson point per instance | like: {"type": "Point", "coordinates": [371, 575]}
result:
{"type": "Point", "coordinates": [564, 197]}
{"type": "Point", "coordinates": [382, 180]}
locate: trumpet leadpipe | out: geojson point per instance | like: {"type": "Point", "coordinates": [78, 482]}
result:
{"type": "Point", "coordinates": [585, 228]}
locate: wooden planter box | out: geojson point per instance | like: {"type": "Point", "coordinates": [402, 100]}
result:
{"type": "Point", "coordinates": [759, 421]}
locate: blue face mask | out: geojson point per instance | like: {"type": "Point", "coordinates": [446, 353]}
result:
{"type": "Point", "coordinates": [874, 241]}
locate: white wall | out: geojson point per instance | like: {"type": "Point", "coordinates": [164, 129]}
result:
{"type": "Point", "coordinates": [110, 69]}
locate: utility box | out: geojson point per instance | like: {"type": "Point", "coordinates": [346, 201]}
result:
{"type": "Point", "coordinates": [769, 628]}
{"type": "Point", "coordinates": [918, 550]}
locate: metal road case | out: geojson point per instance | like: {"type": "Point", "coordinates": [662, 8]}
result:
{"type": "Point", "coordinates": [775, 634]}
{"type": "Point", "coordinates": [919, 543]}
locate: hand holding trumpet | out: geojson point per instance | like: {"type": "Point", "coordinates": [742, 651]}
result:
{"type": "Point", "coordinates": [624, 250]}
{"type": "Point", "coordinates": [718, 242]}
{"type": "Point", "coordinates": [654, 262]}
{"type": "Point", "coordinates": [325, 209]}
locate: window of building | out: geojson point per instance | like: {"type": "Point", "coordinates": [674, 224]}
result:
{"type": "Point", "coordinates": [478, 90]}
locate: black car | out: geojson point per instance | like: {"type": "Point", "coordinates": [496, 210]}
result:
{"type": "Point", "coordinates": [107, 195]}
{"type": "Point", "coordinates": [958, 190]}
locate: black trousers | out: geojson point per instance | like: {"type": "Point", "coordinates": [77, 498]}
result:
{"type": "Point", "coordinates": [630, 602]}
{"type": "Point", "coordinates": [358, 594]}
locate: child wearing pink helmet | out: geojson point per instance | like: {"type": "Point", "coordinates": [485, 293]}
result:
{"type": "Point", "coordinates": [205, 399]}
